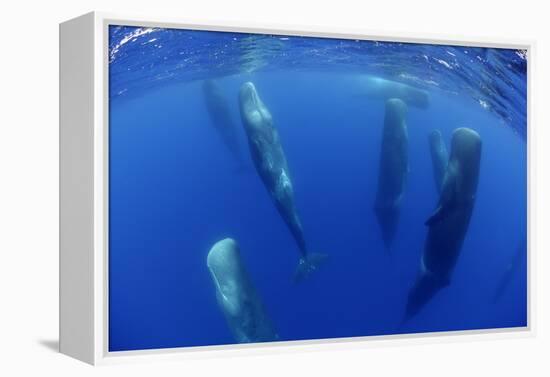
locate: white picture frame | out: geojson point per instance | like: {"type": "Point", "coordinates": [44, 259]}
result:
{"type": "Point", "coordinates": [84, 199]}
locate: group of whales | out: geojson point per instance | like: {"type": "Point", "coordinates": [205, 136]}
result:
{"type": "Point", "coordinates": [456, 176]}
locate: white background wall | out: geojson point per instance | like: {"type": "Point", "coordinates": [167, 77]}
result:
{"type": "Point", "coordinates": [29, 184]}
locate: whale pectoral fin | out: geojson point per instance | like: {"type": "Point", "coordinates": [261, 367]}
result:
{"type": "Point", "coordinates": [307, 265]}
{"type": "Point", "coordinates": [441, 212]}
{"type": "Point", "coordinates": [436, 216]}
{"type": "Point", "coordinates": [448, 200]}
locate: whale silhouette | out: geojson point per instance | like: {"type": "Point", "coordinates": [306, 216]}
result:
{"type": "Point", "coordinates": [448, 225]}
{"type": "Point", "coordinates": [270, 162]}
{"type": "Point", "coordinates": [393, 169]}
{"type": "Point", "coordinates": [237, 298]}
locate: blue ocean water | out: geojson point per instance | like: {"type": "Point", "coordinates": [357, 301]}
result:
{"type": "Point", "coordinates": [175, 189]}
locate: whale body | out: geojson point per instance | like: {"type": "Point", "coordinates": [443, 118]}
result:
{"type": "Point", "coordinates": [237, 298]}
{"type": "Point", "coordinates": [270, 163]}
{"type": "Point", "coordinates": [219, 112]}
{"type": "Point", "coordinates": [378, 88]}
{"type": "Point", "coordinates": [439, 156]}
{"type": "Point", "coordinates": [393, 169]}
{"type": "Point", "coordinates": [449, 223]}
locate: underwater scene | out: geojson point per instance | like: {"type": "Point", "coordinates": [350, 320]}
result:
{"type": "Point", "coordinates": [269, 188]}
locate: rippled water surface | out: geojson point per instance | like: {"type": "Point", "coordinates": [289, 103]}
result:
{"type": "Point", "coordinates": [141, 58]}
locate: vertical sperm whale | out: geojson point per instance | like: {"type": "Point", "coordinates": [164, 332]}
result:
{"type": "Point", "coordinates": [393, 169]}
{"type": "Point", "coordinates": [449, 223]}
{"type": "Point", "coordinates": [270, 163]}
{"type": "Point", "coordinates": [238, 299]}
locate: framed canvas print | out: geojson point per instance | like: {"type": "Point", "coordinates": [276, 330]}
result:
{"type": "Point", "coordinates": [228, 188]}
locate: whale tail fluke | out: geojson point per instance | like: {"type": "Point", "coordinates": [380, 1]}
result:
{"type": "Point", "coordinates": [308, 264]}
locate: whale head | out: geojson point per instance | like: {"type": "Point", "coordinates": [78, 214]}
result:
{"type": "Point", "coordinates": [396, 111]}
{"type": "Point", "coordinates": [237, 297]}
{"type": "Point", "coordinates": [253, 110]}
{"type": "Point", "coordinates": [249, 98]}
{"type": "Point", "coordinates": [466, 144]}
{"type": "Point", "coordinates": [225, 267]}
{"type": "Point", "coordinates": [466, 153]}
{"type": "Point", "coordinates": [248, 90]}
{"type": "Point", "coordinates": [435, 138]}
